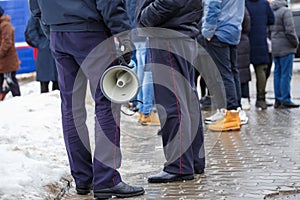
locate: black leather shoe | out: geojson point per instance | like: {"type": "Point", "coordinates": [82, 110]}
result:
{"type": "Point", "coordinates": [289, 105]}
{"type": "Point", "coordinates": [83, 190]}
{"type": "Point", "coordinates": [277, 103]}
{"type": "Point", "coordinates": [165, 177]}
{"type": "Point", "coordinates": [122, 190]}
{"type": "Point", "coordinates": [198, 171]}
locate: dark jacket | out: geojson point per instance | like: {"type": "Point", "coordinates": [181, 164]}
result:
{"type": "Point", "coordinates": [45, 64]}
{"type": "Point", "coordinates": [243, 49]}
{"type": "Point", "coordinates": [9, 61]}
{"type": "Point", "coordinates": [77, 16]}
{"type": "Point", "coordinates": [283, 34]}
{"type": "Point", "coordinates": [178, 15]}
{"type": "Point", "coordinates": [261, 16]}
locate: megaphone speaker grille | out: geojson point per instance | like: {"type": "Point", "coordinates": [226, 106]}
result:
{"type": "Point", "coordinates": [119, 84]}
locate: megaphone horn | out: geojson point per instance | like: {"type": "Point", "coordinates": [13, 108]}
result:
{"type": "Point", "coordinates": [119, 84]}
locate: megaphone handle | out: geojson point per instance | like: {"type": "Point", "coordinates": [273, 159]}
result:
{"type": "Point", "coordinates": [122, 62]}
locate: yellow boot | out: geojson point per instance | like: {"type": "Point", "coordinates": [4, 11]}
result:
{"type": "Point", "coordinates": [230, 122]}
{"type": "Point", "coordinates": [151, 119]}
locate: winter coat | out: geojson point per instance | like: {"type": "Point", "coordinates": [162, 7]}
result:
{"type": "Point", "coordinates": [9, 61]}
{"type": "Point", "coordinates": [283, 34]}
{"type": "Point", "coordinates": [243, 49]}
{"type": "Point", "coordinates": [261, 16]}
{"type": "Point", "coordinates": [45, 64]}
{"type": "Point", "coordinates": [81, 16]}
{"type": "Point", "coordinates": [223, 18]}
{"type": "Point", "coordinates": [178, 15]}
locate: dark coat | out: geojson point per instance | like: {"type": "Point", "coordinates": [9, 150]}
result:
{"type": "Point", "coordinates": [178, 15]}
{"type": "Point", "coordinates": [80, 16]}
{"type": "Point", "coordinates": [283, 33]}
{"type": "Point", "coordinates": [45, 64]}
{"type": "Point", "coordinates": [244, 50]}
{"type": "Point", "coordinates": [261, 16]}
{"type": "Point", "coordinates": [9, 60]}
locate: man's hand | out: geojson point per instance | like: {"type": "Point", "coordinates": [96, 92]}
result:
{"type": "Point", "coordinates": [126, 47]}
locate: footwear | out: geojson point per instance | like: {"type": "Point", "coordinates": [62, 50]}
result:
{"type": "Point", "coordinates": [141, 115]}
{"type": "Point", "coordinates": [83, 190]}
{"type": "Point", "coordinates": [288, 105]}
{"type": "Point", "coordinates": [5, 90]}
{"type": "Point", "coordinates": [245, 103]}
{"type": "Point", "coordinates": [231, 122]}
{"type": "Point", "coordinates": [269, 104]}
{"type": "Point", "coordinates": [159, 132]}
{"type": "Point", "coordinates": [165, 177]}
{"type": "Point", "coordinates": [197, 171]}
{"type": "Point", "coordinates": [277, 103]}
{"type": "Point", "coordinates": [215, 117]}
{"type": "Point", "coordinates": [205, 103]}
{"type": "Point", "coordinates": [243, 117]}
{"type": "Point", "coordinates": [122, 190]}
{"type": "Point", "coordinates": [261, 104]}
{"type": "Point", "coordinates": [151, 120]}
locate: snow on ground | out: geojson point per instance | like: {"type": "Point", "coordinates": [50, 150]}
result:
{"type": "Point", "coordinates": [32, 150]}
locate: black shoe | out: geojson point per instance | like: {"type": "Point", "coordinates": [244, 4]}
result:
{"type": "Point", "coordinates": [289, 105]}
{"type": "Point", "coordinates": [122, 190]}
{"type": "Point", "coordinates": [159, 132]}
{"type": "Point", "coordinates": [205, 103]}
{"type": "Point", "coordinates": [83, 190]}
{"type": "Point", "coordinates": [261, 104]}
{"type": "Point", "coordinates": [198, 171]}
{"type": "Point", "coordinates": [277, 103]}
{"type": "Point", "coordinates": [165, 177]}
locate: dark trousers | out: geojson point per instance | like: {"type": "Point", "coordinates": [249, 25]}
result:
{"type": "Point", "coordinates": [75, 65]}
{"type": "Point", "coordinates": [12, 83]}
{"type": "Point", "coordinates": [179, 110]}
{"type": "Point", "coordinates": [225, 57]}
{"type": "Point", "coordinates": [245, 90]}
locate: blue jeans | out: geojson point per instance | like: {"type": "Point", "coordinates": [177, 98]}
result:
{"type": "Point", "coordinates": [225, 57]}
{"type": "Point", "coordinates": [145, 77]}
{"type": "Point", "coordinates": [282, 77]}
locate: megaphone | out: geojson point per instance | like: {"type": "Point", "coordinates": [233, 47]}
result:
{"type": "Point", "coordinates": [119, 84]}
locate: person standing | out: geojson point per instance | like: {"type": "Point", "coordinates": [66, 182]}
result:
{"type": "Point", "coordinates": [172, 28]}
{"type": "Point", "coordinates": [9, 61]}
{"type": "Point", "coordinates": [261, 16]}
{"type": "Point", "coordinates": [82, 38]}
{"type": "Point", "coordinates": [45, 64]}
{"type": "Point", "coordinates": [284, 45]}
{"type": "Point", "coordinates": [221, 29]}
{"type": "Point", "coordinates": [147, 116]}
{"type": "Point", "coordinates": [244, 61]}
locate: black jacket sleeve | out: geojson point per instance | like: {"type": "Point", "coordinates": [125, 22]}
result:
{"type": "Point", "coordinates": [159, 11]}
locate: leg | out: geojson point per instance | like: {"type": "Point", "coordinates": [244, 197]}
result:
{"type": "Point", "coordinates": [221, 54]}
{"type": "Point", "coordinates": [285, 82]}
{"type": "Point", "coordinates": [277, 78]}
{"type": "Point", "coordinates": [55, 85]}
{"type": "Point", "coordinates": [13, 83]}
{"type": "Point", "coordinates": [261, 81]}
{"type": "Point", "coordinates": [44, 86]}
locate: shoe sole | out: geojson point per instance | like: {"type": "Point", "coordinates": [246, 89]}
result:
{"type": "Point", "coordinates": [149, 124]}
{"type": "Point", "coordinates": [225, 130]}
{"type": "Point", "coordinates": [109, 195]}
{"type": "Point", "coordinates": [181, 178]}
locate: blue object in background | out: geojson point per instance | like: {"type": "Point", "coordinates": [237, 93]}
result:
{"type": "Point", "coordinates": [18, 10]}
